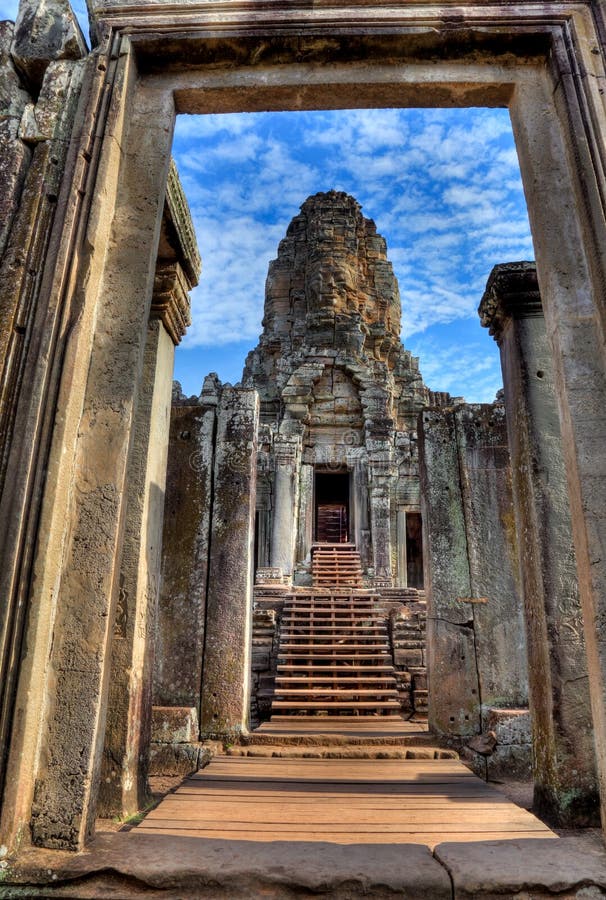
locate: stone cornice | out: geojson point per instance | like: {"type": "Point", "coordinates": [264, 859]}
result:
{"type": "Point", "coordinates": [226, 15]}
{"type": "Point", "coordinates": [180, 217]}
{"type": "Point", "coordinates": [170, 301]}
{"type": "Point", "coordinates": [512, 292]}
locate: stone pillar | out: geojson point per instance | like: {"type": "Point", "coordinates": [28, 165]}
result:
{"type": "Point", "coordinates": [380, 519]}
{"type": "Point", "coordinates": [185, 549]}
{"type": "Point", "coordinates": [564, 757]}
{"type": "Point", "coordinates": [264, 522]}
{"type": "Point", "coordinates": [454, 689]}
{"type": "Point", "coordinates": [36, 152]}
{"type": "Point", "coordinates": [226, 669]}
{"type": "Point", "coordinates": [284, 510]}
{"type": "Point", "coordinates": [306, 513]}
{"type": "Point", "coordinates": [476, 644]}
{"type": "Point", "coordinates": [123, 786]}
{"type": "Point", "coordinates": [360, 504]}
{"type": "Point", "coordinates": [110, 336]}
{"type": "Point", "coordinates": [401, 578]}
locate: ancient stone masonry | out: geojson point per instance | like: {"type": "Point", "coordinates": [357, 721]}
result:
{"type": "Point", "coordinates": [339, 396]}
{"type": "Point", "coordinates": [339, 399]}
{"type": "Point", "coordinates": [41, 74]}
{"type": "Point", "coordinates": [93, 278]}
{"type": "Point", "coordinates": [129, 724]}
{"type": "Point", "coordinates": [202, 667]}
{"type": "Point", "coordinates": [564, 757]}
{"type": "Point", "coordinates": [475, 630]}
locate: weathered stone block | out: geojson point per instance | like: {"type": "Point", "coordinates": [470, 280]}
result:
{"type": "Point", "coordinates": [185, 545]}
{"type": "Point", "coordinates": [226, 679]}
{"type": "Point", "coordinates": [420, 681]}
{"type": "Point", "coordinates": [408, 657]}
{"type": "Point", "coordinates": [174, 724]}
{"type": "Point", "coordinates": [510, 761]}
{"type": "Point", "coordinates": [15, 158]}
{"type": "Point", "coordinates": [260, 659]}
{"type": "Point", "coordinates": [44, 120]}
{"type": "Point", "coordinates": [45, 30]}
{"type": "Point", "coordinates": [13, 96]}
{"type": "Point", "coordinates": [173, 759]}
{"type": "Point", "coordinates": [511, 726]}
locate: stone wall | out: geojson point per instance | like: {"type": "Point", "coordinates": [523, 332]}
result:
{"type": "Point", "coordinates": [185, 549]}
{"type": "Point", "coordinates": [204, 620]}
{"type": "Point", "coordinates": [475, 631]}
{"type": "Point", "coordinates": [42, 70]}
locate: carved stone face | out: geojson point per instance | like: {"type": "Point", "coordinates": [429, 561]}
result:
{"type": "Point", "coordinates": [331, 286]}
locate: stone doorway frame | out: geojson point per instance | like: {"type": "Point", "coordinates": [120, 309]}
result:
{"type": "Point", "coordinates": [544, 61]}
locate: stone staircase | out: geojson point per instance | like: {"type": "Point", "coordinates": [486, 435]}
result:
{"type": "Point", "coordinates": [334, 657]}
{"type": "Point", "coordinates": [336, 565]}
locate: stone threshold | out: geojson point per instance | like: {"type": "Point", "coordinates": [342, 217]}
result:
{"type": "Point", "coordinates": [133, 865]}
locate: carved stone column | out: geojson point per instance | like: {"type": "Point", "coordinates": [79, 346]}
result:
{"type": "Point", "coordinates": [360, 513]}
{"type": "Point", "coordinates": [226, 672]}
{"type": "Point", "coordinates": [564, 760]}
{"type": "Point", "coordinates": [123, 784]}
{"type": "Point", "coordinates": [381, 479]}
{"type": "Point", "coordinates": [305, 531]}
{"type": "Point", "coordinates": [284, 510]}
{"type": "Point", "coordinates": [402, 575]}
{"type": "Point", "coordinates": [264, 523]}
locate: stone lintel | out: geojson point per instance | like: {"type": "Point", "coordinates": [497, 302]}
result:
{"type": "Point", "coordinates": [176, 209]}
{"type": "Point", "coordinates": [170, 302]}
{"type": "Point", "coordinates": [512, 292]}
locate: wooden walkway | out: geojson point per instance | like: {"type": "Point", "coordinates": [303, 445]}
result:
{"type": "Point", "coordinates": [340, 801]}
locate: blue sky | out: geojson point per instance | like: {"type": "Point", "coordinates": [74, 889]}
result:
{"type": "Point", "coordinates": [442, 185]}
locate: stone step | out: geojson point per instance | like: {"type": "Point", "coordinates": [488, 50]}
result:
{"type": "Point", "coordinates": [336, 608]}
{"type": "Point", "coordinates": [284, 683]}
{"type": "Point", "coordinates": [346, 668]}
{"type": "Point", "coordinates": [335, 704]}
{"type": "Point", "coordinates": [321, 649]}
{"type": "Point", "coordinates": [339, 751]}
{"type": "Point", "coordinates": [336, 693]}
{"type": "Point", "coordinates": [312, 635]}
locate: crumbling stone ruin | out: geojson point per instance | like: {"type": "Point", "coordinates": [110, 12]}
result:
{"type": "Point", "coordinates": [96, 259]}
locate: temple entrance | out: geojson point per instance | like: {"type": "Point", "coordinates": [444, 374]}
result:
{"type": "Point", "coordinates": [332, 507]}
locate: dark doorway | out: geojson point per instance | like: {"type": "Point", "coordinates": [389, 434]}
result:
{"type": "Point", "coordinates": [414, 550]}
{"type": "Point", "coordinates": [332, 507]}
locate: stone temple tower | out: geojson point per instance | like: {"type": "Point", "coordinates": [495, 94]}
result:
{"type": "Point", "coordinates": [339, 401]}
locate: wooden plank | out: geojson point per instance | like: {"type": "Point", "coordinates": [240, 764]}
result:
{"type": "Point", "coordinates": [318, 828]}
{"type": "Point", "coordinates": [341, 801]}
{"type": "Point", "coordinates": [340, 816]}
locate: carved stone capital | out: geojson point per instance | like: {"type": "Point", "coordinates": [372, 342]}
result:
{"type": "Point", "coordinates": [286, 453]}
{"type": "Point", "coordinates": [170, 302]}
{"type": "Point", "coordinates": [512, 292]}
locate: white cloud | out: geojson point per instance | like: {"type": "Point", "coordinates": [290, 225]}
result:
{"type": "Point", "coordinates": [461, 369]}
{"type": "Point", "coordinates": [441, 186]}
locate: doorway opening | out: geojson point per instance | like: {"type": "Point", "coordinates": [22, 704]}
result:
{"type": "Point", "coordinates": [414, 550]}
{"type": "Point", "coordinates": [332, 507]}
